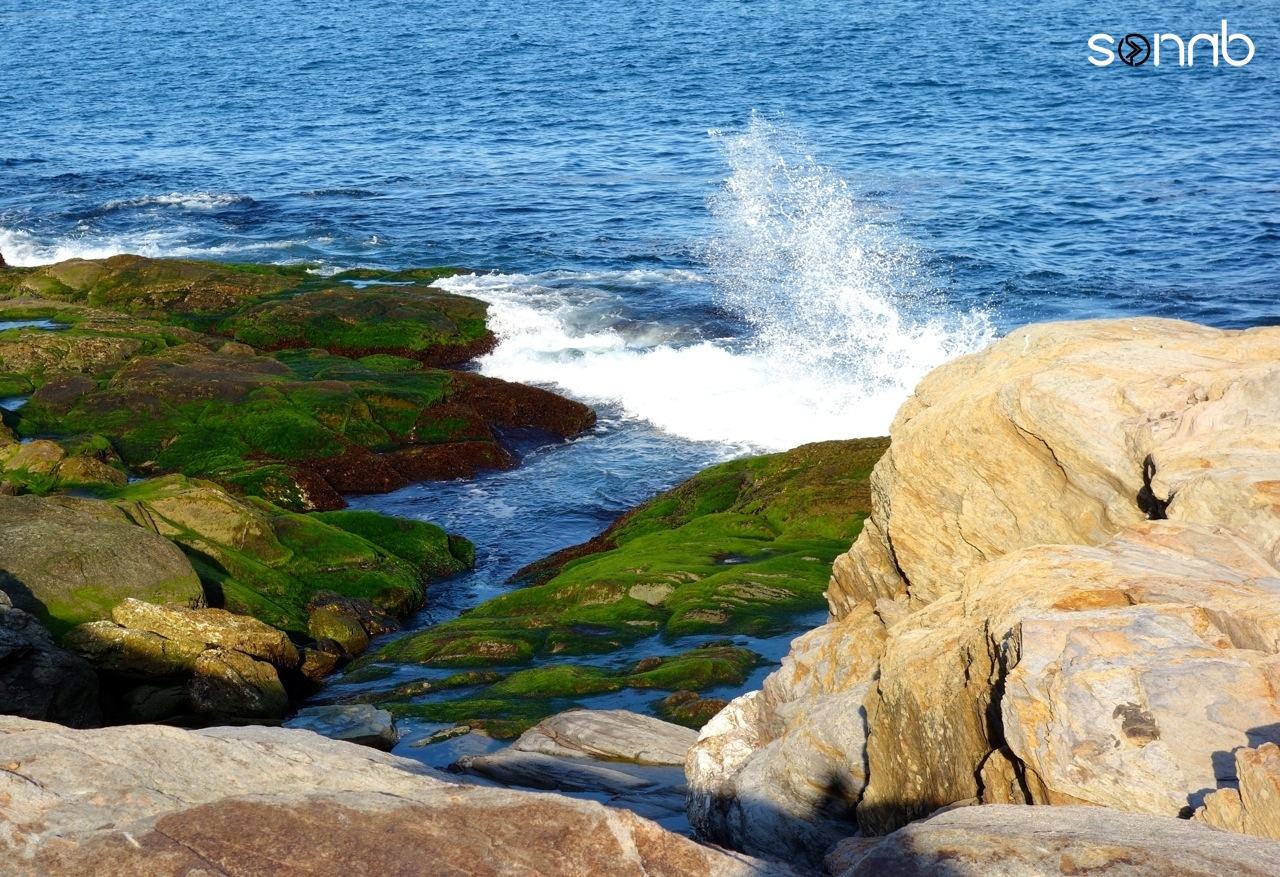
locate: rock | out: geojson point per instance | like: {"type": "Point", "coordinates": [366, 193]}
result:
{"type": "Point", "coordinates": [608, 735]}
{"type": "Point", "coordinates": [357, 723]}
{"type": "Point", "coordinates": [138, 654]}
{"type": "Point", "coordinates": [230, 800]}
{"type": "Point", "coordinates": [371, 618]}
{"type": "Point", "coordinates": [38, 680]}
{"type": "Point", "coordinates": [89, 470]}
{"type": "Point", "coordinates": [315, 664]}
{"type": "Point", "coordinates": [1253, 808]}
{"type": "Point", "coordinates": [1039, 841]}
{"type": "Point", "coordinates": [1066, 592]}
{"type": "Point", "coordinates": [39, 457]}
{"type": "Point", "coordinates": [345, 630]}
{"type": "Point", "coordinates": [210, 627]}
{"type": "Point", "coordinates": [688, 708]}
{"type": "Point", "coordinates": [151, 703]}
{"type": "Point", "coordinates": [227, 683]}
{"type": "Point", "coordinates": [68, 565]}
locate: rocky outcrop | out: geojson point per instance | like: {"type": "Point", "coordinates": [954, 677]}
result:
{"type": "Point", "coordinates": [1066, 594]}
{"type": "Point", "coordinates": [70, 561]}
{"type": "Point", "coordinates": [1254, 807]}
{"type": "Point", "coordinates": [153, 800]}
{"type": "Point", "coordinates": [1040, 842]}
{"type": "Point", "coordinates": [355, 723]}
{"type": "Point", "coordinates": [38, 680]}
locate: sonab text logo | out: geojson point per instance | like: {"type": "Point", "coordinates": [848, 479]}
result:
{"type": "Point", "coordinates": [1134, 49]}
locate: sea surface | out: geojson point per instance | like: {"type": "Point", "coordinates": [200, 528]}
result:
{"type": "Point", "coordinates": [733, 226]}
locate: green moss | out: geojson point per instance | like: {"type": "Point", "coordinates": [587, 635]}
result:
{"type": "Point", "coordinates": [698, 669]}
{"type": "Point", "coordinates": [567, 680]}
{"type": "Point", "coordinates": [503, 719]}
{"type": "Point", "coordinates": [425, 545]}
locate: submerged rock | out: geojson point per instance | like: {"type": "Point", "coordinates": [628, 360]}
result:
{"type": "Point", "coordinates": [241, 801]}
{"type": "Point", "coordinates": [608, 735]}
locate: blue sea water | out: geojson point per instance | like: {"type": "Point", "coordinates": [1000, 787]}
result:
{"type": "Point", "coordinates": [732, 226]}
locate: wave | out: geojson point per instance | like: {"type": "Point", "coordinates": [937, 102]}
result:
{"type": "Point", "coordinates": [185, 201]}
{"type": "Point", "coordinates": [26, 250]}
{"type": "Point", "coordinates": [842, 320]}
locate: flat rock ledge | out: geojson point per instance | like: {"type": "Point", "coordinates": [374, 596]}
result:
{"type": "Point", "coordinates": [154, 801]}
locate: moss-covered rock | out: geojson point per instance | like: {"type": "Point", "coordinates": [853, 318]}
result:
{"type": "Point", "coordinates": [298, 429]}
{"type": "Point", "coordinates": [258, 559]}
{"type": "Point", "coordinates": [426, 325]}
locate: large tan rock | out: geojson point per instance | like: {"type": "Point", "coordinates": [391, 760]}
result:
{"type": "Point", "coordinates": [1067, 593]}
{"type": "Point", "coordinates": [152, 800]}
{"type": "Point", "coordinates": [138, 654]}
{"type": "Point", "coordinates": [71, 563]}
{"type": "Point", "coordinates": [212, 627]}
{"type": "Point", "coordinates": [1051, 841]}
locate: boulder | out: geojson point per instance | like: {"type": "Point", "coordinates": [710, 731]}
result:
{"type": "Point", "coordinates": [68, 564]}
{"type": "Point", "coordinates": [228, 683]}
{"type": "Point", "coordinates": [38, 680]}
{"type": "Point", "coordinates": [78, 470]}
{"type": "Point", "coordinates": [210, 627]}
{"type": "Point", "coordinates": [1066, 594]}
{"type": "Point", "coordinates": [243, 801]}
{"type": "Point", "coordinates": [39, 457]}
{"type": "Point", "coordinates": [138, 654]}
{"type": "Point", "coordinates": [371, 618]}
{"type": "Point", "coordinates": [355, 723]}
{"type": "Point", "coordinates": [1041, 841]}
{"type": "Point", "coordinates": [609, 735]}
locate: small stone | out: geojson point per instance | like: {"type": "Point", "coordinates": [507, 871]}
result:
{"type": "Point", "coordinates": [356, 723]}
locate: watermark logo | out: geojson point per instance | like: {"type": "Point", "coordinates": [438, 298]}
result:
{"type": "Point", "coordinates": [1134, 49]}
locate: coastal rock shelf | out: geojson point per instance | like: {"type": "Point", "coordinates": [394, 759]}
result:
{"type": "Point", "coordinates": [1067, 593]}
{"type": "Point", "coordinates": [152, 800]}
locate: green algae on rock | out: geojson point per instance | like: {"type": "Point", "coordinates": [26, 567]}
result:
{"type": "Point", "coordinates": [744, 547]}
{"type": "Point", "coordinates": [299, 429]}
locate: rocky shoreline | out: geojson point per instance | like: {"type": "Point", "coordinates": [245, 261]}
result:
{"type": "Point", "coordinates": [1051, 649]}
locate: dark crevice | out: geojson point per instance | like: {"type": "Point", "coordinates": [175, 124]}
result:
{"type": "Point", "coordinates": [1150, 504]}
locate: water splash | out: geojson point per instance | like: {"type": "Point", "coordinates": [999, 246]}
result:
{"type": "Point", "coordinates": [842, 323]}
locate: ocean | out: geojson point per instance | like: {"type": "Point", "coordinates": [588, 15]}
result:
{"type": "Point", "coordinates": [733, 226]}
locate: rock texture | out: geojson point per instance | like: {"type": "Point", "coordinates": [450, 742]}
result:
{"type": "Point", "coordinates": [157, 801]}
{"type": "Point", "coordinates": [1040, 842]}
{"type": "Point", "coordinates": [1066, 594]}
{"type": "Point", "coordinates": [1253, 808]}
{"type": "Point", "coordinates": [609, 735]}
{"type": "Point", "coordinates": [355, 723]}
{"type": "Point", "coordinates": [69, 562]}
{"type": "Point", "coordinates": [38, 680]}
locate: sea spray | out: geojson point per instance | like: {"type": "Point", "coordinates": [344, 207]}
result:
{"type": "Point", "coordinates": [841, 322]}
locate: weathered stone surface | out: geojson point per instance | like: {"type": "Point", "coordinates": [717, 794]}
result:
{"type": "Point", "coordinates": [371, 618]}
{"type": "Point", "coordinates": [252, 801]}
{"type": "Point", "coordinates": [89, 470]}
{"type": "Point", "coordinates": [609, 735]}
{"type": "Point", "coordinates": [68, 565]}
{"type": "Point", "coordinates": [360, 723]}
{"type": "Point", "coordinates": [38, 680]}
{"type": "Point", "coordinates": [1253, 808]}
{"type": "Point", "coordinates": [39, 457]}
{"type": "Point", "coordinates": [1043, 841]}
{"type": "Point", "coordinates": [211, 627]}
{"type": "Point", "coordinates": [128, 652]}
{"type": "Point", "coordinates": [231, 684]}
{"type": "Point", "coordinates": [315, 664]}
{"type": "Point", "coordinates": [1066, 593]}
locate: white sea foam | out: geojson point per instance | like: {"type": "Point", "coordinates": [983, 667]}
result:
{"type": "Point", "coordinates": [843, 322]}
{"type": "Point", "coordinates": [26, 250]}
{"type": "Point", "coordinates": [181, 200]}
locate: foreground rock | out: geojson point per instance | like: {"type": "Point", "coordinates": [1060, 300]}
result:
{"type": "Point", "coordinates": [71, 561]}
{"type": "Point", "coordinates": [240, 802]}
{"type": "Point", "coordinates": [1254, 807]}
{"type": "Point", "coordinates": [38, 680]}
{"type": "Point", "coordinates": [1045, 842]}
{"type": "Point", "coordinates": [1066, 594]}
